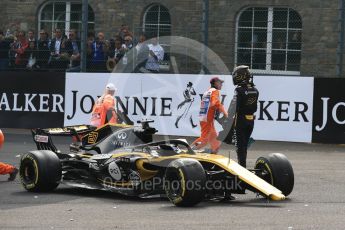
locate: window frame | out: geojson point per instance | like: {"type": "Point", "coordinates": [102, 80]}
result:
{"type": "Point", "coordinates": [54, 22]}
{"type": "Point", "coordinates": [269, 48]}
{"type": "Point", "coordinates": [158, 24]}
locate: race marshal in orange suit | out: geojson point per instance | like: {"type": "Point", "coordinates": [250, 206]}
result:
{"type": "Point", "coordinates": [104, 109]}
{"type": "Point", "coordinates": [6, 168]}
{"type": "Point", "coordinates": [210, 106]}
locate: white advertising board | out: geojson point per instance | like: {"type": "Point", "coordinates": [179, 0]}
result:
{"type": "Point", "coordinates": [145, 96]}
{"type": "Point", "coordinates": [284, 109]}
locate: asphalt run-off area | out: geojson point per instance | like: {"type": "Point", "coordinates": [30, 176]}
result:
{"type": "Point", "coordinates": [317, 201]}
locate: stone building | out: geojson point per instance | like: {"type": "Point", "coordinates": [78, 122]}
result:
{"type": "Point", "coordinates": [279, 37]}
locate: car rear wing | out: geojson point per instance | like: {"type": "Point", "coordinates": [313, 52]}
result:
{"type": "Point", "coordinates": [68, 130]}
{"type": "Point", "coordinates": [43, 140]}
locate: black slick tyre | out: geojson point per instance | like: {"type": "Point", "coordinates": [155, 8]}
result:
{"type": "Point", "coordinates": [276, 170]}
{"type": "Point", "coordinates": [40, 171]}
{"type": "Point", "coordinates": [185, 181]}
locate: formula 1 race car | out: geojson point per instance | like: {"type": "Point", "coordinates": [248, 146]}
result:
{"type": "Point", "coordinates": [124, 159]}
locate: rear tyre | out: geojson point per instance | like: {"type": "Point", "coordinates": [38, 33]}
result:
{"type": "Point", "coordinates": [185, 181]}
{"type": "Point", "coordinates": [276, 170]}
{"type": "Point", "coordinates": [40, 171]}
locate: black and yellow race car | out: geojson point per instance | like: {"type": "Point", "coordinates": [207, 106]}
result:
{"type": "Point", "coordinates": [126, 160]}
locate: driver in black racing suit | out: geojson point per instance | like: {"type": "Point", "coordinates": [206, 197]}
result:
{"type": "Point", "coordinates": [246, 97]}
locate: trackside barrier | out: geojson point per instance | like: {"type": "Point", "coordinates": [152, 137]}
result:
{"type": "Point", "coordinates": [297, 109]}
{"type": "Point", "coordinates": [32, 99]}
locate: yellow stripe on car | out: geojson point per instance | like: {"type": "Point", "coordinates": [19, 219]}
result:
{"type": "Point", "coordinates": [183, 182]}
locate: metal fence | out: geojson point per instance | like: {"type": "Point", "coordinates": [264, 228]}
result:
{"type": "Point", "coordinates": [57, 45]}
{"type": "Point", "coordinates": [103, 52]}
{"type": "Point", "coordinates": [270, 40]}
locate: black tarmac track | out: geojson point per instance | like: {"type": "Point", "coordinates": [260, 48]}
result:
{"type": "Point", "coordinates": [317, 201]}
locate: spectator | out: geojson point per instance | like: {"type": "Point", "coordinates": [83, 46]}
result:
{"type": "Point", "coordinates": [21, 45]}
{"type": "Point", "coordinates": [73, 48]}
{"type": "Point", "coordinates": [142, 39]}
{"type": "Point", "coordinates": [4, 49]}
{"type": "Point", "coordinates": [115, 55]}
{"type": "Point", "coordinates": [43, 50]}
{"type": "Point", "coordinates": [58, 57]}
{"type": "Point", "coordinates": [295, 40]}
{"type": "Point", "coordinates": [128, 43]}
{"type": "Point", "coordinates": [98, 50]}
{"type": "Point", "coordinates": [90, 36]}
{"type": "Point", "coordinates": [13, 46]}
{"type": "Point", "coordinates": [124, 31]}
{"type": "Point", "coordinates": [142, 53]}
{"type": "Point", "coordinates": [31, 54]}
{"type": "Point", "coordinates": [156, 54]}
{"type": "Point", "coordinates": [31, 36]}
{"type": "Point", "coordinates": [90, 40]}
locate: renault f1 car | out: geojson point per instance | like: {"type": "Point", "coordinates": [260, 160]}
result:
{"type": "Point", "coordinates": [125, 159]}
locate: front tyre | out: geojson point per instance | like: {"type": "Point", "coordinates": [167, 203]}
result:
{"type": "Point", "coordinates": [40, 171]}
{"type": "Point", "coordinates": [276, 170]}
{"type": "Point", "coordinates": [185, 181]}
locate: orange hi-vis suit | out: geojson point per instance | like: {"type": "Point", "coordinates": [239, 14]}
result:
{"type": "Point", "coordinates": [101, 110]}
{"type": "Point", "coordinates": [210, 104]}
{"type": "Point", "coordinates": [6, 169]}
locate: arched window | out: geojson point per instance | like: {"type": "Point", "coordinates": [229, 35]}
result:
{"type": "Point", "coordinates": [269, 40]}
{"type": "Point", "coordinates": [157, 21]}
{"type": "Point", "coordinates": [64, 15]}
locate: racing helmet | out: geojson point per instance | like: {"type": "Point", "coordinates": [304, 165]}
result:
{"type": "Point", "coordinates": [241, 75]}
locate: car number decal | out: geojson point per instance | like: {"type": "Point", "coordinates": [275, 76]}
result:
{"type": "Point", "coordinates": [92, 137]}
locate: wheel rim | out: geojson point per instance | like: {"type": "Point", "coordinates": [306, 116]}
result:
{"type": "Point", "coordinates": [265, 173]}
{"type": "Point", "coordinates": [174, 182]}
{"type": "Point", "coordinates": [28, 173]}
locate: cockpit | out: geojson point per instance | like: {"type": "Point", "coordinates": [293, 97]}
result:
{"type": "Point", "coordinates": [165, 148]}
